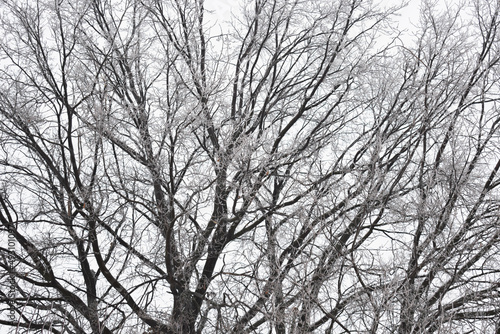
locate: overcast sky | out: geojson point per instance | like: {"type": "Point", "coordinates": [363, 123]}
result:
{"type": "Point", "coordinates": [222, 9]}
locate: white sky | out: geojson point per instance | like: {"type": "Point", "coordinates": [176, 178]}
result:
{"type": "Point", "coordinates": [409, 15]}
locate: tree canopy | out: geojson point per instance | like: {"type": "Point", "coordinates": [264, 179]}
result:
{"type": "Point", "coordinates": [305, 167]}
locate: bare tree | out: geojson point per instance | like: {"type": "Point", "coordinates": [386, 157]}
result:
{"type": "Point", "coordinates": [307, 168]}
